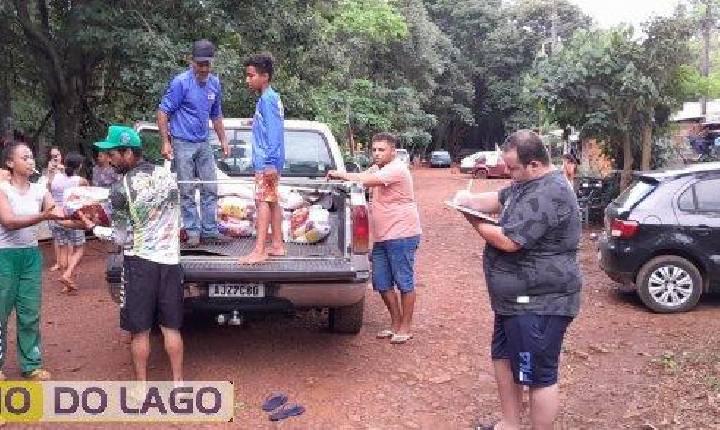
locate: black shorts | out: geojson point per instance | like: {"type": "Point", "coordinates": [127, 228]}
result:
{"type": "Point", "coordinates": [532, 343]}
{"type": "Point", "coordinates": [152, 293]}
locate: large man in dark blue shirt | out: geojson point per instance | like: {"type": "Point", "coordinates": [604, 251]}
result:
{"type": "Point", "coordinates": [532, 275]}
{"type": "Point", "coordinates": [192, 100]}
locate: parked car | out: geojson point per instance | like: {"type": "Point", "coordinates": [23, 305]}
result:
{"type": "Point", "coordinates": [467, 163]}
{"type": "Point", "coordinates": [440, 159]}
{"type": "Point", "coordinates": [402, 155]}
{"type": "Point", "coordinates": [662, 236]}
{"type": "Point", "coordinates": [490, 165]}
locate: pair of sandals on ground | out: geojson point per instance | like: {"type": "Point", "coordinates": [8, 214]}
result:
{"type": "Point", "coordinates": [279, 408]}
{"type": "Point", "coordinates": [395, 338]}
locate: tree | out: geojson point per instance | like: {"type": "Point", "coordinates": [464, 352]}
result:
{"type": "Point", "coordinates": [500, 41]}
{"type": "Point", "coordinates": [612, 85]}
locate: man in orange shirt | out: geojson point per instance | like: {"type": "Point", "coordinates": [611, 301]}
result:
{"type": "Point", "coordinates": [396, 233]}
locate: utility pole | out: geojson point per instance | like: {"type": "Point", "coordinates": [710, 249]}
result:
{"type": "Point", "coordinates": [705, 68]}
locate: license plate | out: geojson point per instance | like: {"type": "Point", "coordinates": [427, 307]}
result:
{"type": "Point", "coordinates": [236, 290]}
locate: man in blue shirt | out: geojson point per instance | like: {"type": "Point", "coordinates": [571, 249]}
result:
{"type": "Point", "coordinates": [268, 153]}
{"type": "Point", "coordinates": [192, 100]}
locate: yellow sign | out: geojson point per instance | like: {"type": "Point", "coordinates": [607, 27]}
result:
{"type": "Point", "coordinates": [103, 401]}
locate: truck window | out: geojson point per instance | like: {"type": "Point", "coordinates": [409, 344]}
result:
{"type": "Point", "coordinates": [306, 154]}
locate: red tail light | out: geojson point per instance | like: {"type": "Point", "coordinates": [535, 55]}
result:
{"type": "Point", "coordinates": [360, 229]}
{"type": "Point", "coordinates": [623, 229]}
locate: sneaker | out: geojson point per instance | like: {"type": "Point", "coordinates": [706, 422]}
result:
{"type": "Point", "coordinates": [220, 239]}
{"type": "Point", "coordinates": [37, 375]}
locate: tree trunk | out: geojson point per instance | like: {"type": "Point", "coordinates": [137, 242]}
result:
{"type": "Point", "coordinates": [646, 147]}
{"type": "Point", "coordinates": [67, 115]}
{"type": "Point", "coordinates": [627, 160]}
{"type": "Point", "coordinates": [6, 116]}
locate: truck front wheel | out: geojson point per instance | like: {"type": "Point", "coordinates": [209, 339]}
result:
{"type": "Point", "coordinates": [347, 319]}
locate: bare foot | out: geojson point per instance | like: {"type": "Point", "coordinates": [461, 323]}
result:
{"type": "Point", "coordinates": [277, 251]}
{"type": "Point", "coordinates": [54, 268]}
{"type": "Point", "coordinates": [253, 258]}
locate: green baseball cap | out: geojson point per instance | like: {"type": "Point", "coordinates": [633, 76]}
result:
{"type": "Point", "coordinates": [120, 136]}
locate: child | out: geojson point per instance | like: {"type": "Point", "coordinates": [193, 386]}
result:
{"type": "Point", "coordinates": [268, 153]}
{"type": "Point", "coordinates": [103, 174]}
{"type": "Point", "coordinates": [70, 242]}
{"type": "Point", "coordinates": [54, 165]}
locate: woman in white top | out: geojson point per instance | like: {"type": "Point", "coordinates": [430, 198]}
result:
{"type": "Point", "coordinates": [22, 206]}
{"type": "Point", "coordinates": [69, 242]}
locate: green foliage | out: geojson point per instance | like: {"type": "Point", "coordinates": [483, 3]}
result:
{"type": "Point", "coordinates": [611, 84]}
{"type": "Point", "coordinates": [376, 20]}
{"type": "Point", "coordinates": [439, 73]}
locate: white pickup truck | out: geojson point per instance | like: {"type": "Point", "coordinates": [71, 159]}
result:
{"type": "Point", "coordinates": [331, 274]}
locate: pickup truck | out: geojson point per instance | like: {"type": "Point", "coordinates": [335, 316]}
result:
{"type": "Point", "coordinates": [331, 274]}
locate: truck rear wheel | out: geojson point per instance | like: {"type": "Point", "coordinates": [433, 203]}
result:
{"type": "Point", "coordinates": [347, 319]}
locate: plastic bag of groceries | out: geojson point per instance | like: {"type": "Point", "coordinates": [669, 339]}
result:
{"type": "Point", "coordinates": [307, 225]}
{"type": "Point", "coordinates": [237, 208]}
{"type": "Point", "coordinates": [234, 227]}
{"type": "Point", "coordinates": [291, 199]}
{"type": "Point", "coordinates": [238, 189]}
{"type": "Point", "coordinates": [90, 200]}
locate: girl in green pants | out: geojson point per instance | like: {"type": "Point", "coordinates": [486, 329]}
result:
{"type": "Point", "coordinates": [22, 206]}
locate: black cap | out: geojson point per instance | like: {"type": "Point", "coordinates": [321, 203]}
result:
{"type": "Point", "coordinates": [203, 50]}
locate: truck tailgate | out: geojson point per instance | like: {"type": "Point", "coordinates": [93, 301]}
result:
{"type": "Point", "coordinates": [198, 269]}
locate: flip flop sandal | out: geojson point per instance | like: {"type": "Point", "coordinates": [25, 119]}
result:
{"type": "Point", "coordinates": [384, 334]}
{"type": "Point", "coordinates": [68, 285]}
{"type": "Point", "coordinates": [274, 401]}
{"type": "Point", "coordinates": [289, 410]}
{"type": "Point", "coordinates": [398, 339]}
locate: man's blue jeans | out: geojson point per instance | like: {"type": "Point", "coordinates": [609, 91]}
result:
{"type": "Point", "coordinates": [196, 159]}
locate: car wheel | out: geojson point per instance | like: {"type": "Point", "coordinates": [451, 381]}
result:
{"type": "Point", "coordinates": [669, 284]}
{"type": "Point", "coordinates": [347, 319]}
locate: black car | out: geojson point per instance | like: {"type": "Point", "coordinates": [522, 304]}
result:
{"type": "Point", "coordinates": [662, 235]}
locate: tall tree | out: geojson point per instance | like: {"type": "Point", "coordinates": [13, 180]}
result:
{"type": "Point", "coordinates": [612, 86]}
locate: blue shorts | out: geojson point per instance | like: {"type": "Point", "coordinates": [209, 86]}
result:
{"type": "Point", "coordinates": [67, 236]}
{"type": "Point", "coordinates": [393, 263]}
{"type": "Point", "coordinates": [532, 343]}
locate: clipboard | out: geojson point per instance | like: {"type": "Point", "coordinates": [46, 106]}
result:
{"type": "Point", "coordinates": [482, 215]}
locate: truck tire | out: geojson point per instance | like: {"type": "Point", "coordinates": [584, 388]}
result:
{"type": "Point", "coordinates": [669, 284]}
{"type": "Point", "coordinates": [347, 319]}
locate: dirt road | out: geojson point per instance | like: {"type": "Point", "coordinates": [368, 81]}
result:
{"type": "Point", "coordinates": [622, 367]}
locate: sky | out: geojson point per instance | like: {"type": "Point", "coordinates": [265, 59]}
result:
{"type": "Point", "coordinates": [608, 13]}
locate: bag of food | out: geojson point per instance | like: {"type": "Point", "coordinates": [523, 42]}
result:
{"type": "Point", "coordinates": [291, 200]}
{"type": "Point", "coordinates": [229, 188]}
{"type": "Point", "coordinates": [308, 225]}
{"type": "Point", "coordinates": [234, 227]}
{"type": "Point", "coordinates": [236, 207]}
{"type": "Point", "coordinates": [90, 200]}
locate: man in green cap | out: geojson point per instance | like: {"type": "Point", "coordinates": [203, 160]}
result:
{"type": "Point", "coordinates": [146, 202]}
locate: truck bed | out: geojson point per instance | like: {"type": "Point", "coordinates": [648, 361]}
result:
{"type": "Point", "coordinates": [329, 248]}
{"type": "Point", "coordinates": [322, 261]}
